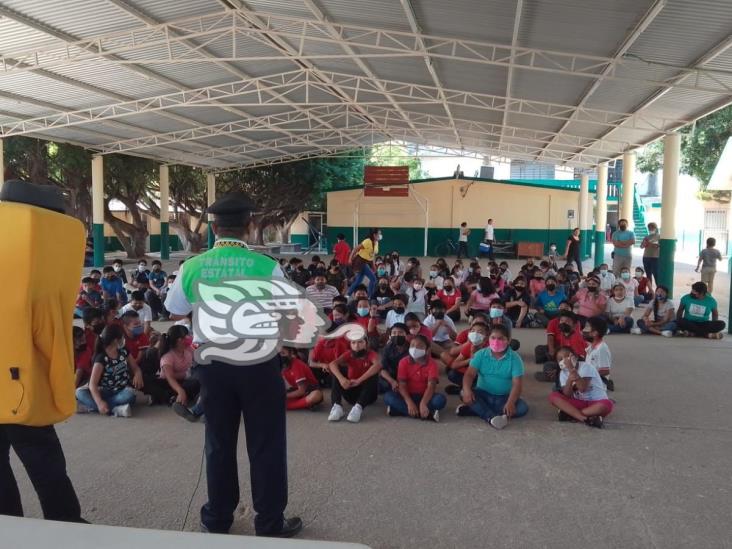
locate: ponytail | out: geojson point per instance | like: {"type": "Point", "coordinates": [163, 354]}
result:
{"type": "Point", "coordinates": [170, 339]}
{"type": "Point", "coordinates": [111, 333]}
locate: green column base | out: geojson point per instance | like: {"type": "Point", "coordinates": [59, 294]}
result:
{"type": "Point", "coordinates": [585, 244]}
{"type": "Point", "coordinates": [211, 237]}
{"type": "Point", "coordinates": [98, 237]}
{"type": "Point", "coordinates": [164, 240]}
{"type": "Point", "coordinates": [666, 264]}
{"type": "Point", "coordinates": [599, 248]}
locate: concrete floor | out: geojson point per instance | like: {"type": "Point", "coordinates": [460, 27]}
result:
{"type": "Point", "coordinates": [658, 475]}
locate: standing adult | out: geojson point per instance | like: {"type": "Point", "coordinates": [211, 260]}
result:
{"type": "Point", "coordinates": [572, 251]}
{"type": "Point", "coordinates": [651, 250]}
{"type": "Point", "coordinates": [362, 261]}
{"type": "Point", "coordinates": [231, 391]}
{"type": "Point", "coordinates": [623, 241]}
{"type": "Point", "coordinates": [463, 240]}
{"type": "Point", "coordinates": [489, 237]}
{"type": "Point", "coordinates": [37, 389]}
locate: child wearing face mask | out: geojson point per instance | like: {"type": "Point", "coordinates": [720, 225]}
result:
{"type": "Point", "coordinates": [630, 283]}
{"type": "Point", "coordinates": [176, 364]}
{"type": "Point", "coordinates": [327, 350]}
{"type": "Point", "coordinates": [108, 392]}
{"type": "Point", "coordinates": [82, 356]}
{"type": "Point", "coordinates": [607, 279]}
{"type": "Point", "coordinates": [645, 291]}
{"type": "Point", "coordinates": [451, 298]}
{"type": "Point", "coordinates": [481, 298]}
{"type": "Point", "coordinates": [397, 312]}
{"type": "Point", "coordinates": [590, 301]}
{"type": "Point", "coordinates": [582, 396]}
{"type": "Point", "coordinates": [497, 317]}
{"type": "Point", "coordinates": [442, 328]}
{"type": "Point", "coordinates": [396, 348]}
{"type": "Point", "coordinates": [415, 327]}
{"type": "Point", "coordinates": [552, 256]}
{"type": "Point", "coordinates": [435, 281]}
{"type": "Point", "coordinates": [537, 284]}
{"type": "Point", "coordinates": [517, 301]}
{"type": "Point", "coordinates": [119, 270]}
{"type": "Point", "coordinates": [564, 333]}
{"type": "Point", "coordinates": [457, 366]}
{"type": "Point", "coordinates": [417, 298]}
{"type": "Point", "coordinates": [303, 390]}
{"type": "Point", "coordinates": [497, 372]}
{"type": "Point", "coordinates": [417, 380]}
{"type": "Point", "coordinates": [383, 296]}
{"type": "Point", "coordinates": [597, 352]}
{"type": "Point", "coordinates": [355, 375]}
{"type": "Point", "coordinates": [659, 316]}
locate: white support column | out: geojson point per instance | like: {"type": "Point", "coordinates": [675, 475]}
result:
{"type": "Point", "coordinates": [210, 199]}
{"type": "Point", "coordinates": [600, 213]}
{"type": "Point", "coordinates": [628, 190]}
{"type": "Point", "coordinates": [669, 195]}
{"type": "Point", "coordinates": [583, 210]}
{"type": "Point", "coordinates": [98, 209]}
{"type": "Point", "coordinates": [164, 212]}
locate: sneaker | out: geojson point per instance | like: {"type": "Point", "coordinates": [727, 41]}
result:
{"type": "Point", "coordinates": [354, 416]}
{"type": "Point", "coordinates": [143, 400]}
{"type": "Point", "coordinates": [435, 416]}
{"type": "Point", "coordinates": [499, 422]}
{"type": "Point", "coordinates": [453, 389]}
{"type": "Point", "coordinates": [463, 410]}
{"type": "Point", "coordinates": [609, 383]}
{"type": "Point", "coordinates": [290, 527]}
{"type": "Point", "coordinates": [594, 421]}
{"type": "Point", "coordinates": [636, 331]}
{"type": "Point", "coordinates": [564, 416]}
{"type": "Point", "coordinates": [122, 411]}
{"type": "Point", "coordinates": [667, 333]}
{"type": "Point", "coordinates": [81, 409]}
{"type": "Point", "coordinates": [682, 333]}
{"type": "Point", "coordinates": [718, 335]}
{"type": "Point", "coordinates": [185, 412]}
{"type": "Point", "coordinates": [336, 413]}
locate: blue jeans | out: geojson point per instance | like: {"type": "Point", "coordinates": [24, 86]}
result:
{"type": "Point", "coordinates": [120, 398]}
{"type": "Point", "coordinates": [670, 326]}
{"type": "Point", "coordinates": [368, 273]}
{"type": "Point", "coordinates": [399, 406]}
{"type": "Point", "coordinates": [455, 377]}
{"type": "Point", "coordinates": [615, 329]}
{"type": "Point", "coordinates": [487, 406]}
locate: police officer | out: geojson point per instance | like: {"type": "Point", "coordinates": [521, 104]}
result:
{"type": "Point", "coordinates": [231, 391]}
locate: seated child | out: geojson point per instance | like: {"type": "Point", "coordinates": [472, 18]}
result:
{"type": "Point", "coordinates": [442, 328]}
{"type": "Point", "coordinates": [355, 375]}
{"type": "Point", "coordinates": [176, 362]}
{"type": "Point", "coordinates": [565, 333]}
{"type": "Point", "coordinates": [663, 313]}
{"type": "Point", "coordinates": [456, 368]}
{"type": "Point", "coordinates": [582, 396]}
{"type": "Point", "coordinates": [499, 371]}
{"type": "Point", "coordinates": [89, 297]}
{"type": "Point", "coordinates": [108, 392]}
{"type": "Point", "coordinates": [82, 356]}
{"type": "Point", "coordinates": [597, 352]}
{"type": "Point", "coordinates": [418, 376]}
{"type": "Point", "coordinates": [302, 387]}
{"type": "Point", "coordinates": [397, 347]}
{"type": "Point", "coordinates": [327, 350]}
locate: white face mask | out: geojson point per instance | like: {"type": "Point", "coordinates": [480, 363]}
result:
{"type": "Point", "coordinates": [476, 338]}
{"type": "Point", "coordinates": [417, 287]}
{"type": "Point", "coordinates": [433, 274]}
{"type": "Point", "coordinates": [379, 236]}
{"type": "Point", "coordinates": [141, 268]}
{"type": "Point", "coordinates": [415, 353]}
{"type": "Point", "coordinates": [553, 248]}
{"type": "Point", "coordinates": [117, 268]}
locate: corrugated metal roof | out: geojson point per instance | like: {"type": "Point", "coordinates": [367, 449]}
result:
{"type": "Point", "coordinates": [681, 33]}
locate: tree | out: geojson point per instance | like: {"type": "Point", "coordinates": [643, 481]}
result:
{"type": "Point", "coordinates": [703, 142]}
{"type": "Point", "coordinates": [650, 160]}
{"type": "Point", "coordinates": [396, 155]}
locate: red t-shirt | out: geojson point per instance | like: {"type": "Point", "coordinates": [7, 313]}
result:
{"type": "Point", "coordinates": [467, 351]}
{"type": "Point", "coordinates": [424, 331]}
{"type": "Point", "coordinates": [357, 366]}
{"type": "Point", "coordinates": [134, 345]}
{"type": "Point", "coordinates": [643, 285]}
{"type": "Point", "coordinates": [298, 372]}
{"type": "Point", "coordinates": [417, 374]}
{"type": "Point", "coordinates": [327, 350]}
{"type": "Point", "coordinates": [342, 252]}
{"type": "Point", "coordinates": [83, 361]}
{"type": "Point", "coordinates": [448, 300]}
{"type": "Point", "coordinates": [575, 341]}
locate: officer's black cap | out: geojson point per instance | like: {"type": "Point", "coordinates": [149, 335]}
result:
{"type": "Point", "coordinates": [232, 210]}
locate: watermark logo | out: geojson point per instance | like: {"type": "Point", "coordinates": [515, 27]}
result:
{"type": "Point", "coordinates": [246, 322]}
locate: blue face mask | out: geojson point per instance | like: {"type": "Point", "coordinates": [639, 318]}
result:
{"type": "Point", "coordinates": [496, 313]}
{"type": "Point", "coordinates": [362, 311]}
{"type": "Point", "coordinates": [380, 272]}
{"type": "Point", "coordinates": [137, 331]}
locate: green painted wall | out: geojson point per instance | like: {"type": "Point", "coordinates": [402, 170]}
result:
{"type": "Point", "coordinates": [410, 241]}
{"type": "Point", "coordinates": [302, 239]}
{"type": "Point", "coordinates": [175, 243]}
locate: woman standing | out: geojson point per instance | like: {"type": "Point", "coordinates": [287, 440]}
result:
{"type": "Point", "coordinates": [362, 261]}
{"type": "Point", "coordinates": [572, 252]}
{"type": "Point", "coordinates": [651, 250]}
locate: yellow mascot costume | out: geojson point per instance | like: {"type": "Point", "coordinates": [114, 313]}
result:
{"type": "Point", "coordinates": [43, 253]}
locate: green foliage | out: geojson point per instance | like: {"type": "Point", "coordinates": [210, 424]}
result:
{"type": "Point", "coordinates": [650, 159]}
{"type": "Point", "coordinates": [703, 142]}
{"type": "Point", "coordinates": [396, 155]}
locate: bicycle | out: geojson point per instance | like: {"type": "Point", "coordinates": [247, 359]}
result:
{"type": "Point", "coordinates": [446, 248]}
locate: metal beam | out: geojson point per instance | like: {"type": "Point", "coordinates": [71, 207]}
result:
{"type": "Point", "coordinates": [642, 25]}
{"type": "Point", "coordinates": [372, 42]}
{"type": "Point", "coordinates": [514, 43]}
